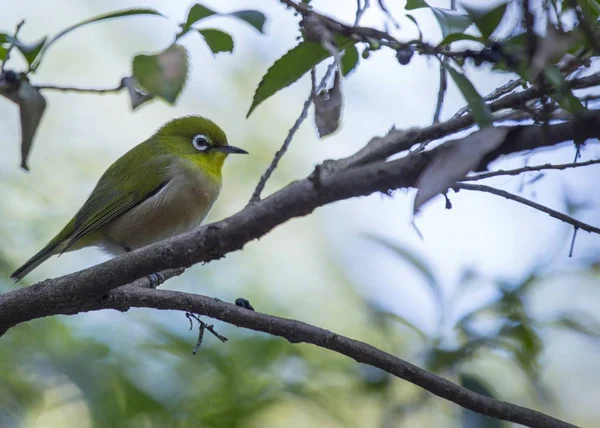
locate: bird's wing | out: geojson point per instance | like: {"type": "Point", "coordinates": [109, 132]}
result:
{"type": "Point", "coordinates": [108, 199]}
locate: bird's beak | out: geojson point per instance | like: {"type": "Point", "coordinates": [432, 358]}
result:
{"type": "Point", "coordinates": [231, 149]}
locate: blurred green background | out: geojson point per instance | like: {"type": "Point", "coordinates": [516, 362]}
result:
{"type": "Point", "coordinates": [488, 299]}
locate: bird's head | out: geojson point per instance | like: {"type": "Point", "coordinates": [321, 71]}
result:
{"type": "Point", "coordinates": [198, 139]}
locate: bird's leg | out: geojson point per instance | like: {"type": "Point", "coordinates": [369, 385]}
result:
{"type": "Point", "coordinates": [155, 278]}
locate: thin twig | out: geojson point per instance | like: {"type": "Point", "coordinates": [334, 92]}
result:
{"type": "Point", "coordinates": [360, 10]}
{"type": "Point", "coordinates": [575, 229]}
{"type": "Point", "coordinates": [441, 93]}
{"type": "Point", "coordinates": [202, 326]}
{"type": "Point", "coordinates": [518, 171]}
{"type": "Point", "coordinates": [494, 95]}
{"type": "Point", "coordinates": [286, 143]}
{"type": "Point", "coordinates": [298, 332]}
{"type": "Point", "coordinates": [12, 45]}
{"type": "Point", "coordinates": [74, 89]}
{"type": "Point", "coordinates": [552, 213]}
{"type": "Point", "coordinates": [368, 34]}
{"type": "Point", "coordinates": [388, 14]}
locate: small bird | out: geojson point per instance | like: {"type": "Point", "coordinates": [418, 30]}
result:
{"type": "Point", "coordinates": [163, 187]}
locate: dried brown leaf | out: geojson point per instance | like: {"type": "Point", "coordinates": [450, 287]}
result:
{"type": "Point", "coordinates": [136, 96]}
{"type": "Point", "coordinates": [31, 108]}
{"type": "Point", "coordinates": [328, 108]}
{"type": "Point", "coordinates": [454, 160]}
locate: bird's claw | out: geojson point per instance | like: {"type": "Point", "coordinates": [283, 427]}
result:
{"type": "Point", "coordinates": [156, 279]}
{"type": "Point", "coordinates": [243, 303]}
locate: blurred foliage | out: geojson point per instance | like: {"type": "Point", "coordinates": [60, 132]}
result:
{"type": "Point", "coordinates": [256, 380]}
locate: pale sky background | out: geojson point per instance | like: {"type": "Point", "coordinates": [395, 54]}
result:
{"type": "Point", "coordinates": [82, 134]}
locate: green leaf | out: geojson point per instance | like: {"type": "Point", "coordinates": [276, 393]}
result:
{"type": "Point", "coordinates": [414, 20]}
{"type": "Point", "coordinates": [29, 51]}
{"type": "Point", "coordinates": [455, 37]}
{"type": "Point", "coordinates": [416, 262]}
{"type": "Point", "coordinates": [291, 67]}
{"type": "Point", "coordinates": [579, 322]}
{"type": "Point", "coordinates": [451, 21]}
{"type": "Point", "coordinates": [349, 60]}
{"type": "Point", "coordinates": [117, 14]}
{"type": "Point", "coordinates": [253, 17]}
{"type": "Point", "coordinates": [563, 95]}
{"type": "Point", "coordinates": [163, 74]}
{"type": "Point", "coordinates": [481, 112]}
{"type": "Point", "coordinates": [401, 320]}
{"type": "Point", "coordinates": [529, 345]}
{"type": "Point", "coordinates": [217, 40]}
{"type": "Point", "coordinates": [415, 4]}
{"type": "Point", "coordinates": [486, 20]}
{"type": "Point", "coordinates": [593, 7]}
{"type": "Point", "coordinates": [199, 12]}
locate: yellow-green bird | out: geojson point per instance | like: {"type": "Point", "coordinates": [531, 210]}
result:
{"type": "Point", "coordinates": [163, 187]}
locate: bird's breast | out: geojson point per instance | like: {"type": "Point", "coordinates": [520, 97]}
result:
{"type": "Point", "coordinates": [182, 204]}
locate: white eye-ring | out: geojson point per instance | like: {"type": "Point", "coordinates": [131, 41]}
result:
{"type": "Point", "coordinates": [200, 142]}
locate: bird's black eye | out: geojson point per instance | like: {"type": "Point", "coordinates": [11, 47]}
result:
{"type": "Point", "coordinates": [201, 142]}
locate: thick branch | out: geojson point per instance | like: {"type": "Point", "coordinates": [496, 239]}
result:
{"type": "Point", "coordinates": [213, 241]}
{"type": "Point", "coordinates": [294, 331]}
{"type": "Point", "coordinates": [83, 290]}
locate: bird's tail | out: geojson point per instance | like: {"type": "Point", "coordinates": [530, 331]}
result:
{"type": "Point", "coordinates": [35, 261]}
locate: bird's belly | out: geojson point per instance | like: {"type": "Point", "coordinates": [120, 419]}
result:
{"type": "Point", "coordinates": [179, 207]}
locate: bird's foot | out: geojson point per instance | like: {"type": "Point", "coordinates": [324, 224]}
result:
{"type": "Point", "coordinates": [243, 303]}
{"type": "Point", "coordinates": [156, 279]}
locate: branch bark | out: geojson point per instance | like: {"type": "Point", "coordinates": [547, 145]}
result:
{"type": "Point", "coordinates": [84, 290]}
{"type": "Point", "coordinates": [124, 298]}
{"type": "Point", "coordinates": [213, 241]}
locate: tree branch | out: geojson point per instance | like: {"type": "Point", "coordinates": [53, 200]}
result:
{"type": "Point", "coordinates": [84, 290]}
{"type": "Point", "coordinates": [518, 171]}
{"type": "Point", "coordinates": [397, 141]}
{"type": "Point", "coordinates": [441, 93]}
{"type": "Point", "coordinates": [124, 298]}
{"type": "Point", "coordinates": [213, 241]}
{"type": "Point", "coordinates": [118, 88]}
{"type": "Point", "coordinates": [552, 213]}
{"type": "Point", "coordinates": [368, 34]}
